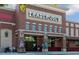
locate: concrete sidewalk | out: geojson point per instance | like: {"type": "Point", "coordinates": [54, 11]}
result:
{"type": "Point", "coordinates": [42, 53]}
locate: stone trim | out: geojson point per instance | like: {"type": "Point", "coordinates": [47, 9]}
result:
{"type": "Point", "coordinates": [7, 23]}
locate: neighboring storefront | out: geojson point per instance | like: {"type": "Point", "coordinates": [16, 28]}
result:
{"type": "Point", "coordinates": [72, 32]}
{"type": "Point", "coordinates": [6, 28]}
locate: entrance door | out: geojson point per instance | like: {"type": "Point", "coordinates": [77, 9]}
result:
{"type": "Point", "coordinates": [30, 43]}
{"type": "Point", "coordinates": [6, 38]}
{"type": "Point", "coordinates": [54, 44]}
{"type": "Point", "coordinates": [51, 43]}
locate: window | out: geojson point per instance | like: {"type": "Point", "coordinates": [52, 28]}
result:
{"type": "Point", "coordinates": [34, 27]}
{"type": "Point", "coordinates": [67, 24]}
{"type": "Point", "coordinates": [55, 29]}
{"type": "Point", "coordinates": [76, 32]}
{"type": "Point", "coordinates": [39, 27]}
{"type": "Point", "coordinates": [51, 42]}
{"type": "Point", "coordinates": [60, 29]}
{"type": "Point", "coordinates": [72, 25]}
{"type": "Point", "coordinates": [50, 29]}
{"type": "Point", "coordinates": [6, 34]}
{"type": "Point", "coordinates": [77, 43]}
{"type": "Point", "coordinates": [72, 31]}
{"type": "Point", "coordinates": [67, 31]}
{"type": "Point", "coordinates": [27, 26]}
{"type": "Point", "coordinates": [45, 28]}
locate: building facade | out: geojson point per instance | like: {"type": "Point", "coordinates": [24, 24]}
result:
{"type": "Point", "coordinates": [37, 28]}
{"type": "Point", "coordinates": [72, 33]}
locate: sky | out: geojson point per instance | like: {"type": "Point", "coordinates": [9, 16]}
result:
{"type": "Point", "coordinates": [73, 13]}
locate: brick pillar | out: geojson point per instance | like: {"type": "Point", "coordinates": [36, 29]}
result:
{"type": "Point", "coordinates": [39, 42]}
{"type": "Point", "coordinates": [45, 43]}
{"type": "Point", "coordinates": [64, 44]}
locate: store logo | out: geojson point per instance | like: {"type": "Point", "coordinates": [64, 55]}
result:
{"type": "Point", "coordinates": [22, 7]}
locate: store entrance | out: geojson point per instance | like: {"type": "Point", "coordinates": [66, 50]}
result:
{"type": "Point", "coordinates": [54, 43]}
{"type": "Point", "coordinates": [30, 43]}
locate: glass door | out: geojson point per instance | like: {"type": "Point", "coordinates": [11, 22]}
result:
{"type": "Point", "coordinates": [30, 43]}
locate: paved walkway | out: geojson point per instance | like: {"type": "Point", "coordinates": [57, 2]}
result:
{"type": "Point", "coordinates": [42, 53]}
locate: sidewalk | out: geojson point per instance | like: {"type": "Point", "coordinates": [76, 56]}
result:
{"type": "Point", "coordinates": [43, 53]}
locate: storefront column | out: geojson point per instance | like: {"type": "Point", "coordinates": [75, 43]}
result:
{"type": "Point", "coordinates": [45, 43]}
{"type": "Point", "coordinates": [64, 44]}
{"type": "Point", "coordinates": [21, 42]}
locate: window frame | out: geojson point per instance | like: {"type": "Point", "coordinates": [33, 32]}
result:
{"type": "Point", "coordinates": [45, 27]}
{"type": "Point", "coordinates": [50, 29]}
{"type": "Point", "coordinates": [34, 27]}
{"type": "Point", "coordinates": [27, 25]}
{"type": "Point", "coordinates": [55, 29]}
{"type": "Point", "coordinates": [39, 27]}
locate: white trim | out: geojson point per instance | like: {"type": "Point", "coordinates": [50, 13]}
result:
{"type": "Point", "coordinates": [34, 23]}
{"type": "Point", "coordinates": [28, 22]}
{"type": "Point", "coordinates": [7, 8]}
{"type": "Point", "coordinates": [34, 33]}
{"type": "Point", "coordinates": [39, 31]}
{"type": "Point", "coordinates": [7, 23]}
{"type": "Point", "coordinates": [49, 7]}
{"type": "Point", "coordinates": [55, 33]}
{"type": "Point", "coordinates": [39, 24]}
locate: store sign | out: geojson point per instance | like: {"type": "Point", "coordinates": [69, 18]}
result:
{"type": "Point", "coordinates": [42, 16]}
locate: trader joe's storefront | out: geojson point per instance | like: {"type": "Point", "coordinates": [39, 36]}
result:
{"type": "Point", "coordinates": [42, 42]}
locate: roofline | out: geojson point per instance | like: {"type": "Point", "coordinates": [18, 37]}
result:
{"type": "Point", "coordinates": [58, 9]}
{"type": "Point", "coordinates": [72, 22]}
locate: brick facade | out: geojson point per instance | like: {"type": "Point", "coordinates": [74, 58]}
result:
{"type": "Point", "coordinates": [19, 29]}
